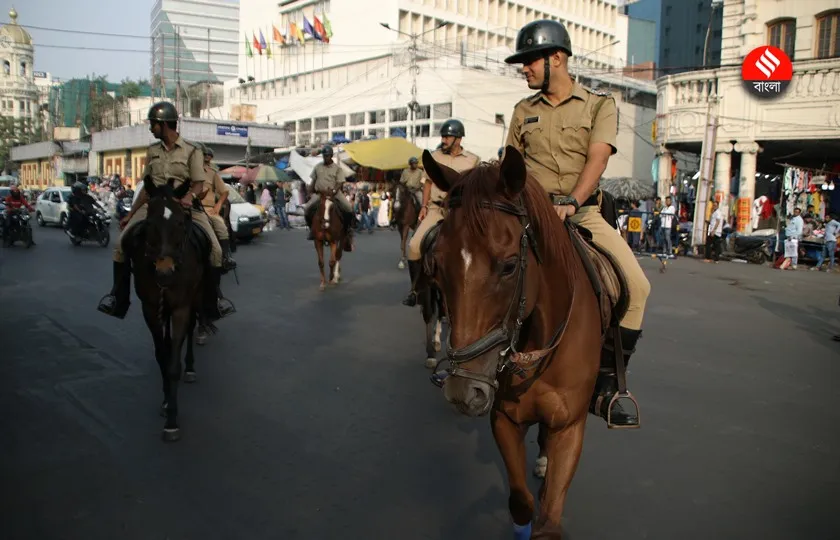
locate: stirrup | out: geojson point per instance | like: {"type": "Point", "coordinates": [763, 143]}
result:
{"type": "Point", "coordinates": [616, 400]}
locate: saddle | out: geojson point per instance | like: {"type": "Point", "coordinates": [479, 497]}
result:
{"type": "Point", "coordinates": [605, 275]}
{"type": "Point", "coordinates": [427, 245]}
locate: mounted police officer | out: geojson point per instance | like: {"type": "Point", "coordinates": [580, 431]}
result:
{"type": "Point", "coordinates": [451, 154]}
{"type": "Point", "coordinates": [328, 177]}
{"type": "Point", "coordinates": [412, 179]}
{"type": "Point", "coordinates": [567, 133]}
{"type": "Point", "coordinates": [213, 196]}
{"type": "Point", "coordinates": [171, 158]}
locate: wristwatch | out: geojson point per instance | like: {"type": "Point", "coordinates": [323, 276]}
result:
{"type": "Point", "coordinates": [566, 201]}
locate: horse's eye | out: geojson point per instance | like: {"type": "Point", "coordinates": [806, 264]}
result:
{"type": "Point", "coordinates": [509, 267]}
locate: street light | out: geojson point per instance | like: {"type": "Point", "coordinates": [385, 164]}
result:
{"type": "Point", "coordinates": [413, 105]}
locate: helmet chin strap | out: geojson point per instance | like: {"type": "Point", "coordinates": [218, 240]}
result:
{"type": "Point", "coordinates": [546, 74]}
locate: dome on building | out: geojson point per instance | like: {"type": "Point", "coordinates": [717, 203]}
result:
{"type": "Point", "coordinates": [14, 31]}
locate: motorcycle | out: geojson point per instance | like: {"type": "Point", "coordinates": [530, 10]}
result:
{"type": "Point", "coordinates": [19, 230]}
{"type": "Point", "coordinates": [755, 249]}
{"type": "Point", "coordinates": [123, 207]}
{"type": "Point", "coordinates": [95, 229]}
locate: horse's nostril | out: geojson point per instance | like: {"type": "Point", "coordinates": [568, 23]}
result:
{"type": "Point", "coordinates": [479, 395]}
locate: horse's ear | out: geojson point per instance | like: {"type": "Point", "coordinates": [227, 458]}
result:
{"type": "Point", "coordinates": [513, 171]}
{"type": "Point", "coordinates": [149, 186]}
{"type": "Point", "coordinates": [181, 191]}
{"type": "Point", "coordinates": [442, 176]}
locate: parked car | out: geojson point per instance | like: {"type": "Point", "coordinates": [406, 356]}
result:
{"type": "Point", "coordinates": [246, 220]}
{"type": "Point", "coordinates": [51, 206]}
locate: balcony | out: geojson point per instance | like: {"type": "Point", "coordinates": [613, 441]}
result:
{"type": "Point", "coordinates": [808, 110]}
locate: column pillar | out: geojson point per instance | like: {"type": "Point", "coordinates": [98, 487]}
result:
{"type": "Point", "coordinates": [746, 191]}
{"type": "Point", "coordinates": [665, 180]}
{"type": "Point", "coordinates": [723, 172]}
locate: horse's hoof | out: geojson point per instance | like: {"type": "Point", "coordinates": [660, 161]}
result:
{"type": "Point", "coordinates": [401, 266]}
{"type": "Point", "coordinates": [437, 346]}
{"type": "Point", "coordinates": [190, 377]}
{"type": "Point", "coordinates": [322, 287]}
{"type": "Point", "coordinates": [431, 363]}
{"type": "Point", "coordinates": [171, 434]}
{"type": "Point", "coordinates": [201, 339]}
{"type": "Point", "coordinates": [541, 467]}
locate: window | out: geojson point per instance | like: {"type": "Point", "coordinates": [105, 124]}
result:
{"type": "Point", "coordinates": [339, 120]}
{"type": "Point", "coordinates": [700, 7]}
{"type": "Point", "coordinates": [7, 67]}
{"type": "Point", "coordinates": [699, 28]}
{"type": "Point", "coordinates": [322, 122]}
{"type": "Point", "coordinates": [782, 34]}
{"type": "Point", "coordinates": [23, 69]}
{"type": "Point", "coordinates": [667, 11]}
{"type": "Point", "coordinates": [356, 134]}
{"type": "Point", "coordinates": [376, 117]}
{"type": "Point", "coordinates": [399, 115]}
{"type": "Point", "coordinates": [828, 35]}
{"type": "Point", "coordinates": [357, 119]}
{"type": "Point", "coordinates": [443, 110]}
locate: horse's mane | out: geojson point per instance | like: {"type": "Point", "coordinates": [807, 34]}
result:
{"type": "Point", "coordinates": [482, 184]}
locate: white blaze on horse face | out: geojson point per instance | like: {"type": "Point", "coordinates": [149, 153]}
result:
{"type": "Point", "coordinates": [467, 256]}
{"type": "Point", "coordinates": [327, 204]}
{"type": "Point", "coordinates": [167, 213]}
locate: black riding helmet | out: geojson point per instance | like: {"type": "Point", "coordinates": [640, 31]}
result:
{"type": "Point", "coordinates": [412, 159]}
{"type": "Point", "coordinates": [327, 151]}
{"type": "Point", "coordinates": [163, 111]}
{"type": "Point", "coordinates": [79, 188]}
{"type": "Point", "coordinates": [452, 128]}
{"type": "Point", "coordinates": [540, 39]}
{"type": "Point", "coordinates": [207, 150]}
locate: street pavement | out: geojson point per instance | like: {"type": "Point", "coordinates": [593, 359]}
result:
{"type": "Point", "coordinates": [313, 417]}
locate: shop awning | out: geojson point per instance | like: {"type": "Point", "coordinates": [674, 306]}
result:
{"type": "Point", "coordinates": [385, 154]}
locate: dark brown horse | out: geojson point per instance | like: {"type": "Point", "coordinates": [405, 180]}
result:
{"type": "Point", "coordinates": [525, 325]}
{"type": "Point", "coordinates": [406, 216]}
{"type": "Point", "coordinates": [168, 259]}
{"type": "Point", "coordinates": [328, 228]}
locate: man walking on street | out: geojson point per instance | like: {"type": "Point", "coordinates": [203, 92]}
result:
{"type": "Point", "coordinates": [714, 234]}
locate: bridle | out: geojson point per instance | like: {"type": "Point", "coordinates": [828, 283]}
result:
{"type": "Point", "coordinates": [508, 333]}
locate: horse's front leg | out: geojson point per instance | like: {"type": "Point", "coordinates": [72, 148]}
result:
{"type": "Point", "coordinates": [510, 438]}
{"type": "Point", "coordinates": [542, 460]}
{"type": "Point", "coordinates": [319, 248]}
{"type": "Point", "coordinates": [189, 371]}
{"type": "Point", "coordinates": [180, 320]}
{"type": "Point", "coordinates": [563, 449]}
{"type": "Point", "coordinates": [335, 274]}
{"type": "Point", "coordinates": [403, 242]}
{"type": "Point", "coordinates": [431, 317]}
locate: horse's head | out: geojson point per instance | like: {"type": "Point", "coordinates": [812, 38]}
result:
{"type": "Point", "coordinates": [486, 264]}
{"type": "Point", "coordinates": [167, 226]}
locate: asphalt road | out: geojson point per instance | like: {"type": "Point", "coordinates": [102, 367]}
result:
{"type": "Point", "coordinates": [313, 417]}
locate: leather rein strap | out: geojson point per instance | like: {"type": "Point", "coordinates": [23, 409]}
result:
{"type": "Point", "coordinates": [517, 361]}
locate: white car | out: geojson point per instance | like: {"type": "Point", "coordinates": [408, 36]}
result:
{"type": "Point", "coordinates": [51, 206]}
{"type": "Point", "coordinates": [246, 220]}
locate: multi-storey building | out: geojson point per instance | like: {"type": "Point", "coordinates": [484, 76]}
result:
{"type": "Point", "coordinates": [18, 93]}
{"type": "Point", "coordinates": [755, 136]}
{"type": "Point", "coordinates": [193, 41]}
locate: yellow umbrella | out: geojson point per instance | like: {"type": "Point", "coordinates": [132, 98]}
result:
{"type": "Point", "coordinates": [383, 154]}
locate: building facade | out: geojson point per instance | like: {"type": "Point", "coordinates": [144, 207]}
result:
{"type": "Point", "coordinates": [18, 92]}
{"type": "Point", "coordinates": [193, 41]}
{"type": "Point", "coordinates": [51, 163]}
{"type": "Point", "coordinates": [756, 135]}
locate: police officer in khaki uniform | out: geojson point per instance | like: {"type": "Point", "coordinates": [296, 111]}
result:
{"type": "Point", "coordinates": [451, 154]}
{"type": "Point", "coordinates": [567, 134]}
{"type": "Point", "coordinates": [171, 158]}
{"type": "Point", "coordinates": [412, 179]}
{"type": "Point", "coordinates": [328, 177]}
{"type": "Point", "coordinates": [213, 197]}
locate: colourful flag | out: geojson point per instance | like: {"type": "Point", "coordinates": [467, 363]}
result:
{"type": "Point", "coordinates": [262, 40]}
{"type": "Point", "coordinates": [248, 52]}
{"type": "Point", "coordinates": [295, 32]}
{"type": "Point", "coordinates": [278, 37]}
{"type": "Point", "coordinates": [307, 27]}
{"type": "Point", "coordinates": [327, 26]}
{"type": "Point", "coordinates": [256, 43]}
{"type": "Point", "coordinates": [319, 28]}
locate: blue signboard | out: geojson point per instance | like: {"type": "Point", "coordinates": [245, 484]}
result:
{"type": "Point", "coordinates": [231, 131]}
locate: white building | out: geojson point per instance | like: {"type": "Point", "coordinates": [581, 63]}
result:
{"type": "Point", "coordinates": [801, 126]}
{"type": "Point", "coordinates": [193, 41]}
{"type": "Point", "coordinates": [18, 93]}
{"type": "Point", "coordinates": [360, 83]}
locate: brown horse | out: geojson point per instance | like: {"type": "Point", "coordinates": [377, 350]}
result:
{"type": "Point", "coordinates": [406, 216]}
{"type": "Point", "coordinates": [328, 228]}
{"type": "Point", "coordinates": [525, 325]}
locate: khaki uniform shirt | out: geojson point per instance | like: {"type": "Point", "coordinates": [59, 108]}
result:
{"type": "Point", "coordinates": [413, 180]}
{"type": "Point", "coordinates": [183, 163]}
{"type": "Point", "coordinates": [327, 177]}
{"type": "Point", "coordinates": [460, 163]}
{"type": "Point", "coordinates": [555, 139]}
{"type": "Point", "coordinates": [214, 186]}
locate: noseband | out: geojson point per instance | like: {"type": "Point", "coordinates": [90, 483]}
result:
{"type": "Point", "coordinates": [508, 332]}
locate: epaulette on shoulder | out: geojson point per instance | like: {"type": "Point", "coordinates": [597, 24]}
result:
{"type": "Point", "coordinates": [602, 93]}
{"type": "Point", "coordinates": [527, 99]}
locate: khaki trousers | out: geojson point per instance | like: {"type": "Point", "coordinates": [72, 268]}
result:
{"type": "Point", "coordinates": [433, 215]}
{"type": "Point", "coordinates": [218, 224]}
{"type": "Point", "coordinates": [339, 197]}
{"type": "Point", "coordinates": [608, 239]}
{"type": "Point", "coordinates": [200, 218]}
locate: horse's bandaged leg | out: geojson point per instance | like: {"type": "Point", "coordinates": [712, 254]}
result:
{"type": "Point", "coordinates": [202, 220]}
{"type": "Point", "coordinates": [140, 215]}
{"type": "Point", "coordinates": [638, 286]}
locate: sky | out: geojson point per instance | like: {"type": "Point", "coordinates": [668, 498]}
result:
{"type": "Point", "coordinates": [122, 17]}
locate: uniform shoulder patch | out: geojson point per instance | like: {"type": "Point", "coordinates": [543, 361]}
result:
{"type": "Point", "coordinates": [602, 93]}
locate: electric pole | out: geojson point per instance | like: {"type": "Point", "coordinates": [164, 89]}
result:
{"type": "Point", "coordinates": [413, 105]}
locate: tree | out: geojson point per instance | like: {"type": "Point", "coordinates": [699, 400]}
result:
{"type": "Point", "coordinates": [129, 89]}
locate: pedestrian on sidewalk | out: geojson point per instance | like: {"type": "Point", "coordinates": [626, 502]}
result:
{"type": "Point", "coordinates": [714, 233]}
{"type": "Point", "coordinates": [832, 230]}
{"type": "Point", "coordinates": [793, 233]}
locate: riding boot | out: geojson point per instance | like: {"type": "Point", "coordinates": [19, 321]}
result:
{"type": "Point", "coordinates": [227, 259]}
{"type": "Point", "coordinates": [117, 301]}
{"type": "Point", "coordinates": [216, 305]}
{"type": "Point", "coordinates": [414, 270]}
{"type": "Point", "coordinates": [607, 384]}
